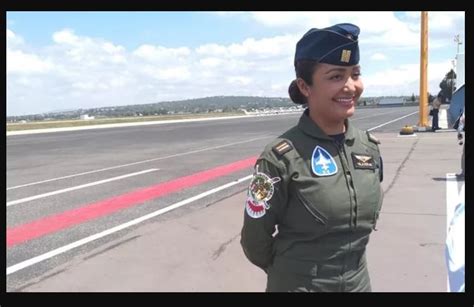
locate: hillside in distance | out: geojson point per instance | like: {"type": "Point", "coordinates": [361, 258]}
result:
{"type": "Point", "coordinates": [199, 105]}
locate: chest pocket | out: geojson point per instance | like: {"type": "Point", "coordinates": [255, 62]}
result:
{"type": "Point", "coordinates": [303, 217]}
{"type": "Point", "coordinates": [313, 210]}
{"type": "Point", "coordinates": [366, 179]}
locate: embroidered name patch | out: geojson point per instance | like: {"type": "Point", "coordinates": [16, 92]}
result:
{"type": "Point", "coordinates": [322, 163]}
{"type": "Point", "coordinates": [363, 161]}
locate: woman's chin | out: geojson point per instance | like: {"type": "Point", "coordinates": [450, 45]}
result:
{"type": "Point", "coordinates": [349, 111]}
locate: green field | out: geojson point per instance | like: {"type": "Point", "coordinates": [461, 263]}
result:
{"type": "Point", "coordinates": [101, 121]}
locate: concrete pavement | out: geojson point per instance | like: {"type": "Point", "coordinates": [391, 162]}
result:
{"type": "Point", "coordinates": [200, 251]}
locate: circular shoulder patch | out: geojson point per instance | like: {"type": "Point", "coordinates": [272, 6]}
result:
{"type": "Point", "coordinates": [261, 187]}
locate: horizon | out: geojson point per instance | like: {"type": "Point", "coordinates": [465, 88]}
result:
{"type": "Point", "coordinates": [140, 104]}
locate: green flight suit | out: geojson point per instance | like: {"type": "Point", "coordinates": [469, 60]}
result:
{"type": "Point", "coordinates": [313, 232]}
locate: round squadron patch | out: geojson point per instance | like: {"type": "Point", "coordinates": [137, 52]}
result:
{"type": "Point", "coordinates": [260, 191]}
{"type": "Point", "coordinates": [322, 163]}
{"type": "Point", "coordinates": [261, 186]}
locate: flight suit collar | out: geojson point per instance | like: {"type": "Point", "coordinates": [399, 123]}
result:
{"type": "Point", "coordinates": [310, 128]}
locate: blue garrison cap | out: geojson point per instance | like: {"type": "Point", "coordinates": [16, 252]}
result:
{"type": "Point", "coordinates": [336, 45]}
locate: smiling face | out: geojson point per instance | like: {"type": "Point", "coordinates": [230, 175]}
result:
{"type": "Point", "coordinates": [332, 95]}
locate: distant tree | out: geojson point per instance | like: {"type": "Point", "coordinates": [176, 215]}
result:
{"type": "Point", "coordinates": [413, 97]}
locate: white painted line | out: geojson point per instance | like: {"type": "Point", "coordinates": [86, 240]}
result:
{"type": "Point", "coordinates": [139, 162]}
{"type": "Point", "coordinates": [396, 119]}
{"type": "Point", "coordinates": [407, 135]}
{"type": "Point", "coordinates": [103, 126]}
{"type": "Point", "coordinates": [375, 115]}
{"type": "Point", "coordinates": [24, 200]}
{"type": "Point", "coordinates": [63, 249]}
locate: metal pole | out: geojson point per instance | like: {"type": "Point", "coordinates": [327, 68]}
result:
{"type": "Point", "coordinates": [424, 71]}
{"type": "Point", "coordinates": [458, 42]}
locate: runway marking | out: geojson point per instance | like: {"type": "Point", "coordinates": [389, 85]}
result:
{"type": "Point", "coordinates": [54, 223]}
{"type": "Point", "coordinates": [139, 162]}
{"type": "Point", "coordinates": [375, 115]}
{"type": "Point", "coordinates": [24, 200]}
{"type": "Point", "coordinates": [63, 249]}
{"type": "Point", "coordinates": [119, 125]}
{"type": "Point", "coordinates": [394, 120]}
{"type": "Point", "coordinates": [407, 135]}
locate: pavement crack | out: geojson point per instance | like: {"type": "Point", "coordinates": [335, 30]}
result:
{"type": "Point", "coordinates": [223, 246]}
{"type": "Point", "coordinates": [110, 247]}
{"type": "Point", "coordinates": [40, 279]}
{"type": "Point", "coordinates": [225, 197]}
{"type": "Point", "coordinates": [400, 167]}
{"type": "Point", "coordinates": [431, 244]}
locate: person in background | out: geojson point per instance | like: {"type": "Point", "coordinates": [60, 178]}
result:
{"type": "Point", "coordinates": [315, 196]}
{"type": "Point", "coordinates": [436, 104]}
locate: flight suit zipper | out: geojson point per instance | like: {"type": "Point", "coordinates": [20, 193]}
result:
{"type": "Point", "coordinates": [348, 177]}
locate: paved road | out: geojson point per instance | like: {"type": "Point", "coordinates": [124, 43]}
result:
{"type": "Point", "coordinates": [65, 187]}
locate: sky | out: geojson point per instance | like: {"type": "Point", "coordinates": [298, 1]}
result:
{"type": "Point", "coordinates": [60, 61]}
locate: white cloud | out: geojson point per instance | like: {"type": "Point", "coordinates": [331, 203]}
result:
{"type": "Point", "coordinates": [85, 71]}
{"type": "Point", "coordinates": [161, 54]}
{"type": "Point", "coordinates": [378, 57]}
{"type": "Point", "coordinates": [89, 85]}
{"type": "Point", "coordinates": [174, 74]}
{"type": "Point", "coordinates": [239, 80]}
{"type": "Point", "coordinates": [67, 37]}
{"type": "Point", "coordinates": [24, 63]}
{"type": "Point", "coordinates": [404, 79]}
{"type": "Point", "coordinates": [444, 21]}
{"type": "Point", "coordinates": [262, 48]}
{"type": "Point", "coordinates": [377, 28]}
{"type": "Point", "coordinates": [85, 51]}
{"type": "Point", "coordinates": [210, 62]}
{"type": "Point", "coordinates": [299, 19]}
{"type": "Point", "coordinates": [13, 39]}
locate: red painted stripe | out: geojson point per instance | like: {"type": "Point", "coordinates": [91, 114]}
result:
{"type": "Point", "coordinates": [53, 223]}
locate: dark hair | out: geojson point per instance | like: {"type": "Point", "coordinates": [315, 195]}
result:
{"type": "Point", "coordinates": [304, 69]}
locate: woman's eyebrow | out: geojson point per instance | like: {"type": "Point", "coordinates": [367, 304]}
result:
{"type": "Point", "coordinates": [335, 69]}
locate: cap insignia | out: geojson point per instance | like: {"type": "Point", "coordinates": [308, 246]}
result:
{"type": "Point", "coordinates": [345, 56]}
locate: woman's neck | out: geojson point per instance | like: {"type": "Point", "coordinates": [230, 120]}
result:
{"type": "Point", "coordinates": [329, 127]}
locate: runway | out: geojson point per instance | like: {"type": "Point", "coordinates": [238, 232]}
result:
{"type": "Point", "coordinates": [63, 187]}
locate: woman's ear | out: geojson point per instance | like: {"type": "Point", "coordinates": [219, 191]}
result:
{"type": "Point", "coordinates": [304, 89]}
